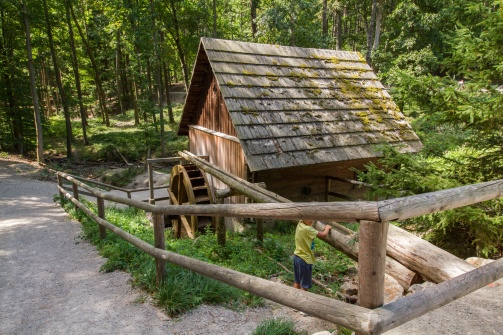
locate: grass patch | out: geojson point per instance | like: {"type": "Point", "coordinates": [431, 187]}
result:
{"type": "Point", "coordinates": [277, 326]}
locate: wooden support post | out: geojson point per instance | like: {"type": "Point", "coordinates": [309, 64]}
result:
{"type": "Point", "coordinates": [260, 231]}
{"type": "Point", "coordinates": [371, 263]}
{"type": "Point", "coordinates": [159, 243]}
{"type": "Point", "coordinates": [75, 189]}
{"type": "Point", "coordinates": [60, 183]}
{"type": "Point", "coordinates": [101, 213]}
{"type": "Point", "coordinates": [221, 230]}
{"type": "Point", "coordinates": [151, 200]}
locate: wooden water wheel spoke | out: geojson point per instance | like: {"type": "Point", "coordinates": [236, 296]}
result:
{"type": "Point", "coordinates": [189, 186]}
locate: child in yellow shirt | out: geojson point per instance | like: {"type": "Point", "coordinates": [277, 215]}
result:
{"type": "Point", "coordinates": [303, 258]}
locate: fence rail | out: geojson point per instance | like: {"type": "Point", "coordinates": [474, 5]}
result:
{"type": "Point", "coordinates": [373, 215]}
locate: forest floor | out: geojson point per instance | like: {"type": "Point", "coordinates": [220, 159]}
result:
{"type": "Point", "coordinates": [51, 282]}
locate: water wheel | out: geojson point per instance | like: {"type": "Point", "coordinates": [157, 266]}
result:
{"type": "Point", "coordinates": [188, 185]}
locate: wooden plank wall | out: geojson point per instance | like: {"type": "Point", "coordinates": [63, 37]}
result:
{"type": "Point", "coordinates": [213, 113]}
{"type": "Point", "coordinates": [222, 152]}
{"type": "Point", "coordinates": [295, 183]}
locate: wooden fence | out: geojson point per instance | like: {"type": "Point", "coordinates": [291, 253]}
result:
{"type": "Point", "coordinates": [371, 317]}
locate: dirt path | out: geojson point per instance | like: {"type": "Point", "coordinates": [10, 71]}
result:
{"type": "Point", "coordinates": [50, 283]}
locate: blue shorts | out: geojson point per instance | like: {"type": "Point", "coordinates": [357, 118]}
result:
{"type": "Point", "coordinates": [303, 272]}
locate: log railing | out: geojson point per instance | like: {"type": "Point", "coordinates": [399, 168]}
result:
{"type": "Point", "coordinates": [128, 191]}
{"type": "Point", "coordinates": [373, 216]}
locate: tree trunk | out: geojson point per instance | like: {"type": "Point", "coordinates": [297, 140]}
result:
{"type": "Point", "coordinates": [253, 14]}
{"type": "Point", "coordinates": [120, 93]}
{"type": "Point", "coordinates": [167, 83]}
{"type": "Point", "coordinates": [378, 26]}
{"type": "Point", "coordinates": [370, 31]}
{"type": "Point", "coordinates": [75, 64]}
{"type": "Point", "coordinates": [99, 86]}
{"type": "Point", "coordinates": [158, 69]}
{"type": "Point", "coordinates": [214, 7]}
{"type": "Point", "coordinates": [34, 95]}
{"type": "Point", "coordinates": [57, 74]}
{"type": "Point", "coordinates": [176, 36]}
{"type": "Point", "coordinates": [324, 20]}
{"type": "Point", "coordinates": [338, 34]}
{"type": "Point", "coordinates": [12, 115]}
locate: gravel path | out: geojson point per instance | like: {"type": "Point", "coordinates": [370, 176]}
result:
{"type": "Point", "coordinates": [50, 283]}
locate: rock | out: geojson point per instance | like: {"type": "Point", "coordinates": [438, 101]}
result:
{"type": "Point", "coordinates": [392, 290]}
{"type": "Point", "coordinates": [478, 262]}
{"type": "Point", "coordinates": [349, 288]}
{"type": "Point", "coordinates": [419, 287]}
{"type": "Point", "coordinates": [324, 332]}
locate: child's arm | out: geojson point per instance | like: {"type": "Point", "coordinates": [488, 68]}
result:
{"type": "Point", "coordinates": [324, 233]}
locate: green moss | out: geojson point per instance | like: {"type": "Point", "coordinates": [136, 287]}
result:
{"type": "Point", "coordinates": [249, 73]}
{"type": "Point", "coordinates": [230, 83]}
{"type": "Point", "coordinates": [333, 60]}
{"type": "Point", "coordinates": [295, 127]}
{"type": "Point", "coordinates": [271, 76]}
{"type": "Point", "coordinates": [364, 118]}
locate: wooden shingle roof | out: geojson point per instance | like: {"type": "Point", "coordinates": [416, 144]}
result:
{"type": "Point", "coordinates": [295, 106]}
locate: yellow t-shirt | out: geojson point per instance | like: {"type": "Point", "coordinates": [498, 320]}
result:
{"type": "Point", "coordinates": [304, 242]}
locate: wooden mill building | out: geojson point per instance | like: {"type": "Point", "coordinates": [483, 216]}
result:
{"type": "Point", "coordinates": [289, 116]}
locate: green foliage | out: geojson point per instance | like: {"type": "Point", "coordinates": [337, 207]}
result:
{"type": "Point", "coordinates": [467, 231]}
{"type": "Point", "coordinates": [277, 326]}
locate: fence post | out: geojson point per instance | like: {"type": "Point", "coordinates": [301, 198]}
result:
{"type": "Point", "coordinates": [159, 242]}
{"type": "Point", "coordinates": [372, 238]}
{"type": "Point", "coordinates": [75, 189]}
{"type": "Point", "coordinates": [101, 213]}
{"type": "Point", "coordinates": [220, 220]}
{"type": "Point", "coordinates": [151, 200]}
{"type": "Point", "coordinates": [60, 183]}
{"type": "Point", "coordinates": [260, 231]}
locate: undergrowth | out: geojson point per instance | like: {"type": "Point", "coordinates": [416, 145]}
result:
{"type": "Point", "coordinates": [277, 326]}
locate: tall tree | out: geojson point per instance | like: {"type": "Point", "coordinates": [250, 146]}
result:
{"type": "Point", "coordinates": [175, 35]}
{"type": "Point", "coordinates": [371, 31]}
{"type": "Point", "coordinates": [96, 69]}
{"type": "Point", "coordinates": [253, 14]}
{"type": "Point", "coordinates": [64, 100]}
{"type": "Point", "coordinates": [33, 86]}
{"type": "Point", "coordinates": [76, 74]}
{"type": "Point", "coordinates": [158, 71]}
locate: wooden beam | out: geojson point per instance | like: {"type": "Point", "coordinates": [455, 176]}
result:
{"type": "Point", "coordinates": [339, 211]}
{"type": "Point", "coordinates": [427, 203]}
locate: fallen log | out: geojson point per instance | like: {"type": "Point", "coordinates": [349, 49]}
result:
{"type": "Point", "coordinates": [349, 246]}
{"type": "Point", "coordinates": [436, 264]}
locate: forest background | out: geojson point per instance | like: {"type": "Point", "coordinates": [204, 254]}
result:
{"type": "Point", "coordinates": [69, 66]}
